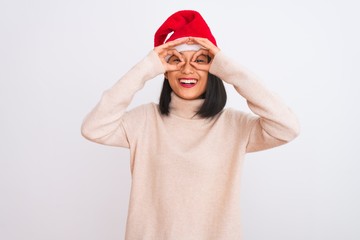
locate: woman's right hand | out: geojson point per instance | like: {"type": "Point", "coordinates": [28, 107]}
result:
{"type": "Point", "coordinates": [167, 50]}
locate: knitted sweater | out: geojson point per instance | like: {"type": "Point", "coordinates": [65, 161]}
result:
{"type": "Point", "coordinates": [186, 170]}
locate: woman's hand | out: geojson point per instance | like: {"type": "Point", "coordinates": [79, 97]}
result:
{"type": "Point", "coordinates": [167, 50]}
{"type": "Point", "coordinates": [209, 49]}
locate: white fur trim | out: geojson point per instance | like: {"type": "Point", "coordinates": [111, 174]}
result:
{"type": "Point", "coordinates": [185, 47]}
{"type": "Point", "coordinates": [188, 47]}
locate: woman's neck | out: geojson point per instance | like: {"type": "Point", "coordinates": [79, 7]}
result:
{"type": "Point", "coordinates": [185, 108]}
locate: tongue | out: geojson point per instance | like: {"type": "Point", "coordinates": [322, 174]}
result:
{"type": "Point", "coordinates": [187, 85]}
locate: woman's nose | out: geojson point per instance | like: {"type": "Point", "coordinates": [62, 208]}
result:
{"type": "Point", "coordinates": [187, 68]}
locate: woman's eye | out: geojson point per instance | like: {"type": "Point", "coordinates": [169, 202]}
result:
{"type": "Point", "coordinates": [174, 60]}
{"type": "Point", "coordinates": [202, 60]}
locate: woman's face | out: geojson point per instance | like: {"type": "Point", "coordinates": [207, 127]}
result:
{"type": "Point", "coordinates": [188, 82]}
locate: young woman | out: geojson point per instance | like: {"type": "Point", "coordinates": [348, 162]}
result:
{"type": "Point", "coordinates": [187, 151]}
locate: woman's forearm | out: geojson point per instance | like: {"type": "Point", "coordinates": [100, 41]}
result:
{"type": "Point", "coordinates": [276, 124]}
{"type": "Point", "coordinates": [103, 124]}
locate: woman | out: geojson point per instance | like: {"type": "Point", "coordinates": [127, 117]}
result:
{"type": "Point", "coordinates": [187, 152]}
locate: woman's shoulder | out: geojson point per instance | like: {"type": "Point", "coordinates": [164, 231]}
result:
{"type": "Point", "coordinates": [237, 115]}
{"type": "Point", "coordinates": [237, 121]}
{"type": "Point", "coordinates": [139, 116]}
{"type": "Point", "coordinates": [143, 108]}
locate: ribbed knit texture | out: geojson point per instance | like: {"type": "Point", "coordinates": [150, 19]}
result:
{"type": "Point", "coordinates": [186, 171]}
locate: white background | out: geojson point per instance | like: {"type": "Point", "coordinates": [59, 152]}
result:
{"type": "Point", "coordinates": [57, 57]}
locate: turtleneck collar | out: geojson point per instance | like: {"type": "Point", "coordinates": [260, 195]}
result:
{"type": "Point", "coordinates": [185, 108]}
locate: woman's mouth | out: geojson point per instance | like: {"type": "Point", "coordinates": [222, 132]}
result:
{"type": "Point", "coordinates": [188, 82]}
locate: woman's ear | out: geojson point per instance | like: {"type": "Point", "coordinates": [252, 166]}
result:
{"type": "Point", "coordinates": [165, 75]}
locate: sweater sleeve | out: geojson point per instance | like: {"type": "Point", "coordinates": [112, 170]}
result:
{"type": "Point", "coordinates": [106, 123]}
{"type": "Point", "coordinates": [275, 123]}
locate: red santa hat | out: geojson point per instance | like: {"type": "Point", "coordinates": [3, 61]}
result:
{"type": "Point", "coordinates": [185, 23]}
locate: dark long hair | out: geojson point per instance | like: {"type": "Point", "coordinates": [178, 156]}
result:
{"type": "Point", "coordinates": [215, 97]}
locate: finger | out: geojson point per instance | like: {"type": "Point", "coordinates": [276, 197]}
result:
{"type": "Point", "coordinates": [199, 53]}
{"type": "Point", "coordinates": [201, 67]}
{"type": "Point", "coordinates": [166, 54]}
{"type": "Point", "coordinates": [174, 52]}
{"type": "Point", "coordinates": [206, 43]}
{"type": "Point", "coordinates": [174, 43]}
{"type": "Point", "coordinates": [202, 41]}
{"type": "Point", "coordinates": [172, 67]}
{"type": "Point", "coordinates": [163, 49]}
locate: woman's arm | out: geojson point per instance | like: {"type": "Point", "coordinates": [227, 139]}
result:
{"type": "Point", "coordinates": [276, 123]}
{"type": "Point", "coordinates": [104, 124]}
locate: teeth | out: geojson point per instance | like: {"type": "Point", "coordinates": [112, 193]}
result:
{"type": "Point", "coordinates": [188, 81]}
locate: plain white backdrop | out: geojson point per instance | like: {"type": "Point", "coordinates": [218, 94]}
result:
{"type": "Point", "coordinates": [57, 57]}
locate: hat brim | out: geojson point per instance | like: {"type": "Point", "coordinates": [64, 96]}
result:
{"type": "Point", "coordinates": [185, 47]}
{"type": "Point", "coordinates": [188, 47]}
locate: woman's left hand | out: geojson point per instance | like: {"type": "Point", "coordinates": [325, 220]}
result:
{"type": "Point", "coordinates": [208, 49]}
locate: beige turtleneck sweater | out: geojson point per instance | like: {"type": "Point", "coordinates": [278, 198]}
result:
{"type": "Point", "coordinates": [186, 170]}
